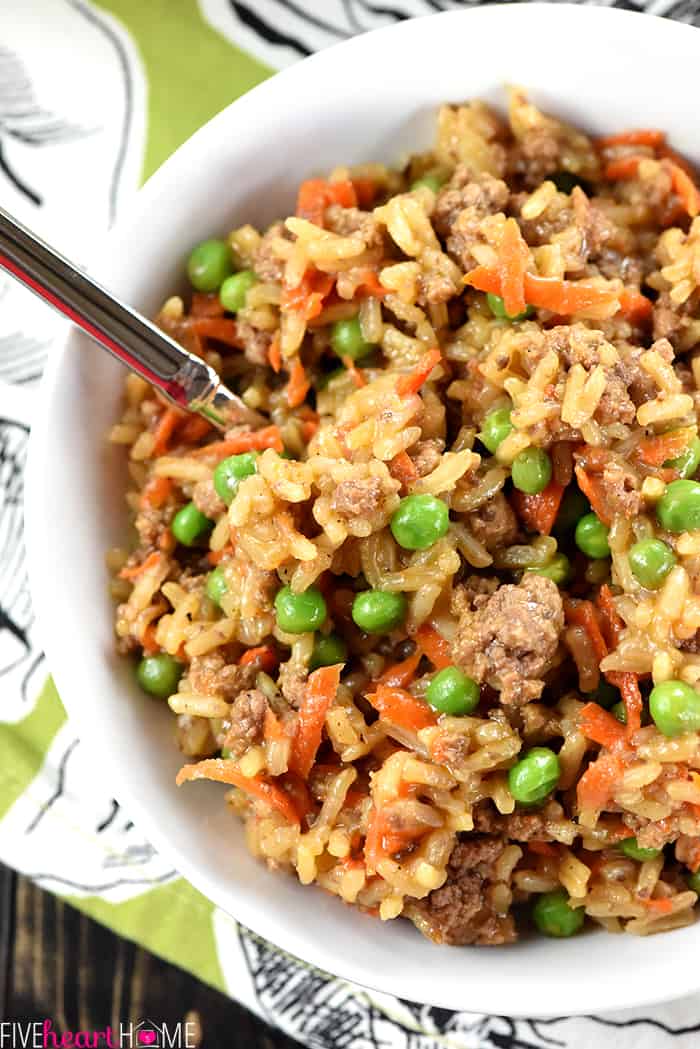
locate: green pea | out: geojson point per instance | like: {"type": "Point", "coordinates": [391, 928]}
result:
{"type": "Point", "coordinates": [678, 509]}
{"type": "Point", "coordinates": [498, 309]}
{"type": "Point", "coordinates": [619, 710]}
{"type": "Point", "coordinates": [632, 851]}
{"type": "Point", "coordinates": [216, 585]}
{"type": "Point", "coordinates": [189, 524]}
{"type": "Point", "coordinates": [675, 708]}
{"type": "Point", "coordinates": [378, 611]}
{"type": "Point", "coordinates": [535, 776]}
{"type": "Point", "coordinates": [420, 521]}
{"type": "Point", "coordinates": [209, 265]}
{"type": "Point", "coordinates": [554, 917]}
{"type": "Point", "coordinates": [230, 472]}
{"type": "Point", "coordinates": [693, 880]}
{"type": "Point", "coordinates": [574, 506]}
{"type": "Point", "coordinates": [328, 650]}
{"type": "Point", "coordinates": [434, 182]}
{"type": "Point", "coordinates": [233, 291]}
{"type": "Point", "coordinates": [650, 561]}
{"type": "Point", "coordinates": [300, 613]}
{"type": "Point", "coordinates": [566, 181]}
{"type": "Point", "coordinates": [159, 675]}
{"type": "Point", "coordinates": [592, 536]}
{"type": "Point", "coordinates": [688, 461]}
{"type": "Point", "coordinates": [558, 570]}
{"type": "Point", "coordinates": [531, 471]}
{"type": "Point", "coordinates": [452, 692]}
{"type": "Point", "coordinates": [605, 695]}
{"type": "Point", "coordinates": [495, 428]}
{"type": "Point", "coordinates": [347, 339]}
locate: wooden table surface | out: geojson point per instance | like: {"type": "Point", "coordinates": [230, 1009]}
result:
{"type": "Point", "coordinates": [57, 964]}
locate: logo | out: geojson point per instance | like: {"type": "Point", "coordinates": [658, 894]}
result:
{"type": "Point", "coordinates": [144, 1034]}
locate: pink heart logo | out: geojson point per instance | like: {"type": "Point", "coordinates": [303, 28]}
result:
{"type": "Point", "coordinates": [147, 1037]}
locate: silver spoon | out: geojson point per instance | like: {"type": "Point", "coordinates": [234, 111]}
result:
{"type": "Point", "coordinates": [186, 380]}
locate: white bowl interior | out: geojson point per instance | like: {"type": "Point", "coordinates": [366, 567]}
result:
{"type": "Point", "coordinates": [372, 98]}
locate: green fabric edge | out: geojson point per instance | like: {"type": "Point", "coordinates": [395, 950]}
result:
{"type": "Point", "coordinates": [173, 921]}
{"type": "Point", "coordinates": [23, 744]}
{"type": "Point", "coordinates": [192, 71]}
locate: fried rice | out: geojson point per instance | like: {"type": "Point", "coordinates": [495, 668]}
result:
{"type": "Point", "coordinates": [518, 271]}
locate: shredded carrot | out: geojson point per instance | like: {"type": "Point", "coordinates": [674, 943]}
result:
{"type": "Point", "coordinates": [167, 541]}
{"type": "Point", "coordinates": [155, 493]}
{"type": "Point", "coordinates": [268, 437]}
{"type": "Point", "coordinates": [136, 570]}
{"type": "Point", "coordinates": [148, 640]}
{"type": "Point", "coordinates": [165, 429]}
{"type": "Point", "coordinates": [400, 707]}
{"type": "Point", "coordinates": [316, 194]}
{"type": "Point", "coordinates": [636, 308]}
{"type": "Point", "coordinates": [684, 187]}
{"type": "Point", "coordinates": [384, 840]}
{"type": "Point", "coordinates": [194, 429]}
{"type": "Point", "coordinates": [543, 848]}
{"type": "Point", "coordinates": [223, 329]}
{"type": "Point", "coordinates": [273, 354]}
{"type": "Point", "coordinates": [548, 293]}
{"type": "Point", "coordinates": [365, 191]}
{"type": "Point", "coordinates": [311, 200]}
{"type": "Point", "coordinates": [601, 726]}
{"type": "Point", "coordinates": [308, 295]}
{"type": "Point", "coordinates": [403, 469]}
{"type": "Point", "coordinates": [400, 675]}
{"type": "Point", "coordinates": [651, 137]}
{"type": "Point", "coordinates": [373, 840]}
{"type": "Point", "coordinates": [308, 428]}
{"type": "Point", "coordinates": [205, 304]}
{"type": "Point", "coordinates": [215, 557]}
{"type": "Point", "coordinates": [667, 153]}
{"type": "Point", "coordinates": [411, 382]}
{"type": "Point", "coordinates": [661, 906]}
{"type": "Point", "coordinates": [298, 385]}
{"type": "Point", "coordinates": [273, 728]}
{"type": "Point", "coordinates": [583, 614]}
{"type": "Point", "coordinates": [622, 168]}
{"type": "Point", "coordinates": [613, 622]}
{"type": "Point", "coordinates": [654, 451]}
{"type": "Point", "coordinates": [592, 488]}
{"type": "Point", "coordinates": [224, 771]}
{"type": "Point", "coordinates": [596, 785]}
{"type": "Point", "coordinates": [628, 685]}
{"type": "Point", "coordinates": [320, 692]}
{"type": "Point", "coordinates": [355, 373]}
{"type": "Point", "coordinates": [539, 512]}
{"type": "Point", "coordinates": [513, 258]}
{"type": "Point", "coordinates": [264, 655]}
{"type": "Point", "coordinates": [369, 286]}
{"type": "Point", "coordinates": [433, 645]}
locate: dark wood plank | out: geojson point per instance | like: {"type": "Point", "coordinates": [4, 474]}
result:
{"type": "Point", "coordinates": [55, 963]}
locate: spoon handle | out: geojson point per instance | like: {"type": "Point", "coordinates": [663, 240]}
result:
{"type": "Point", "coordinates": [183, 378]}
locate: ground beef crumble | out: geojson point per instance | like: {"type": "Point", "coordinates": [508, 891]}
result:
{"type": "Point", "coordinates": [510, 641]}
{"type": "Point", "coordinates": [462, 206]}
{"type": "Point", "coordinates": [462, 911]}
{"type": "Point", "coordinates": [246, 722]}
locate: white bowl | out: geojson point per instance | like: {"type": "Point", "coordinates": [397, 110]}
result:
{"type": "Point", "coordinates": [374, 97]}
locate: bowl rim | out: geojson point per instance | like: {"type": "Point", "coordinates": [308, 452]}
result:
{"type": "Point", "coordinates": [290, 938]}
